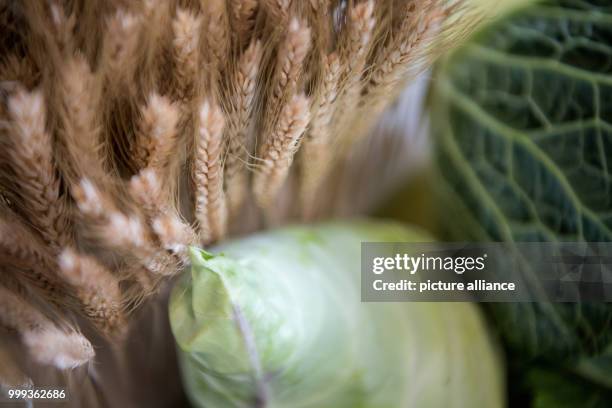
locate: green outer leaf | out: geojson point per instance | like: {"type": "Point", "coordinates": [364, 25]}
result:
{"type": "Point", "coordinates": [523, 120]}
{"type": "Point", "coordinates": [276, 320]}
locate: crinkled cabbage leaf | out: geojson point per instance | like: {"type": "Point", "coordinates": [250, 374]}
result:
{"type": "Point", "coordinates": [523, 120]}
{"type": "Point", "coordinates": [275, 320]}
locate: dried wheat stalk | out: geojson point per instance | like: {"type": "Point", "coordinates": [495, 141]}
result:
{"type": "Point", "coordinates": [124, 233]}
{"type": "Point", "coordinates": [210, 206]}
{"type": "Point", "coordinates": [146, 190]}
{"type": "Point", "coordinates": [290, 58]}
{"type": "Point", "coordinates": [243, 13]}
{"type": "Point", "coordinates": [79, 129]}
{"type": "Point", "coordinates": [409, 48]}
{"type": "Point", "coordinates": [278, 10]}
{"type": "Point", "coordinates": [29, 155]}
{"type": "Point", "coordinates": [31, 260]}
{"type": "Point", "coordinates": [156, 137]}
{"type": "Point", "coordinates": [172, 232]}
{"type": "Point", "coordinates": [239, 115]}
{"type": "Point", "coordinates": [354, 47]}
{"type": "Point", "coordinates": [217, 41]}
{"type": "Point", "coordinates": [175, 235]}
{"type": "Point", "coordinates": [276, 153]}
{"type": "Point", "coordinates": [186, 27]}
{"type": "Point", "coordinates": [317, 147]}
{"type": "Point", "coordinates": [46, 342]}
{"type": "Point", "coordinates": [97, 289]}
{"type": "Point", "coordinates": [119, 50]}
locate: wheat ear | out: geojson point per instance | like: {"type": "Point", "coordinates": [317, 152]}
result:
{"type": "Point", "coordinates": [116, 230]}
{"type": "Point", "coordinates": [96, 288]}
{"type": "Point", "coordinates": [172, 232]}
{"type": "Point", "coordinates": [289, 63]}
{"type": "Point", "coordinates": [317, 150]}
{"type": "Point", "coordinates": [186, 28]}
{"type": "Point", "coordinates": [356, 38]}
{"type": "Point", "coordinates": [46, 343]}
{"type": "Point", "coordinates": [120, 46]}
{"type": "Point", "coordinates": [278, 10]}
{"type": "Point", "coordinates": [409, 51]}
{"type": "Point", "coordinates": [63, 25]}
{"type": "Point", "coordinates": [277, 151]}
{"type": "Point", "coordinates": [31, 158]}
{"type": "Point", "coordinates": [175, 235]}
{"type": "Point", "coordinates": [210, 205]}
{"type": "Point", "coordinates": [80, 143]}
{"type": "Point", "coordinates": [25, 252]}
{"type": "Point", "coordinates": [217, 41]}
{"type": "Point", "coordinates": [353, 51]}
{"type": "Point", "coordinates": [243, 14]}
{"type": "Point", "coordinates": [243, 93]}
{"type": "Point", "coordinates": [146, 190]}
{"type": "Point", "coordinates": [156, 138]}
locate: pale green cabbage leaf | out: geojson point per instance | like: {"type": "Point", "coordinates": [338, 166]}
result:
{"type": "Point", "coordinates": [275, 320]}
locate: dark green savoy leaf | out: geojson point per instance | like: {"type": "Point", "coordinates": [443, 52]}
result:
{"type": "Point", "coordinates": [523, 119]}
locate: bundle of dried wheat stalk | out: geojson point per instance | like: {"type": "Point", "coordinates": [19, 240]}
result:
{"type": "Point", "coordinates": [130, 130]}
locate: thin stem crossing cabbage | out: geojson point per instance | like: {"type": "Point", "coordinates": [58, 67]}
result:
{"type": "Point", "coordinates": [276, 320]}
